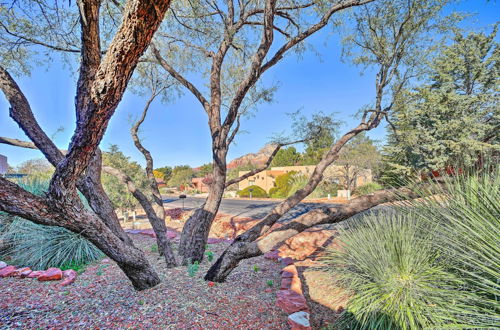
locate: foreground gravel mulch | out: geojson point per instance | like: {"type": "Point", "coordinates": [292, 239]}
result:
{"type": "Point", "coordinates": [102, 297]}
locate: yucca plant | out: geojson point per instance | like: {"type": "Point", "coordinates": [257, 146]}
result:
{"type": "Point", "coordinates": [432, 263]}
{"type": "Point", "coordinates": [392, 273]}
{"type": "Point", "coordinates": [41, 247]}
{"type": "Point", "coordinates": [466, 217]}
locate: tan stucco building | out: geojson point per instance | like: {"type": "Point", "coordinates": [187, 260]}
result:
{"type": "Point", "coordinates": [266, 179]}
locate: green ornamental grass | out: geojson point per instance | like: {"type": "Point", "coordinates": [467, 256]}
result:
{"type": "Point", "coordinates": [40, 247]}
{"type": "Point", "coordinates": [433, 263]}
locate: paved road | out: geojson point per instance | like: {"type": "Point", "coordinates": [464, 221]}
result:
{"type": "Point", "coordinates": [255, 209]}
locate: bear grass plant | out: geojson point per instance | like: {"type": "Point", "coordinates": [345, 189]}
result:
{"type": "Point", "coordinates": [432, 263]}
{"type": "Point", "coordinates": [40, 247]}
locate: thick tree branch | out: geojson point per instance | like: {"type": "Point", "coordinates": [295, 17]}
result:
{"type": "Point", "coordinates": [314, 28]}
{"type": "Point", "coordinates": [180, 78]}
{"type": "Point", "coordinates": [141, 19]}
{"type": "Point", "coordinates": [240, 250]}
{"type": "Point", "coordinates": [20, 111]}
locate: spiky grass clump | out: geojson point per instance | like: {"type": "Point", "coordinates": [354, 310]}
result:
{"type": "Point", "coordinates": [467, 223]}
{"type": "Point", "coordinates": [392, 273]}
{"type": "Point", "coordinates": [432, 263]}
{"type": "Point", "coordinates": [41, 247]}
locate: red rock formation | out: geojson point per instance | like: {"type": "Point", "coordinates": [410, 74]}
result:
{"type": "Point", "coordinates": [8, 271]}
{"type": "Point", "coordinates": [51, 274]}
{"type": "Point", "coordinates": [69, 277]}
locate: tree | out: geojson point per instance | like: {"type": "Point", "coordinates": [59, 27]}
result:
{"type": "Point", "coordinates": [316, 148]}
{"type": "Point", "coordinates": [453, 116]}
{"type": "Point", "coordinates": [286, 157]}
{"type": "Point", "coordinates": [120, 197]}
{"type": "Point", "coordinates": [181, 175]}
{"type": "Point", "coordinates": [359, 155]}
{"type": "Point", "coordinates": [234, 43]}
{"type": "Point", "coordinates": [204, 170]}
{"type": "Point", "coordinates": [102, 79]}
{"type": "Point", "coordinates": [388, 35]}
{"type": "Point", "coordinates": [36, 168]}
{"type": "Point", "coordinates": [163, 173]}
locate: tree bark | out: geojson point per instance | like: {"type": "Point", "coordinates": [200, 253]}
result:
{"type": "Point", "coordinates": [156, 222]}
{"type": "Point", "coordinates": [241, 250]}
{"type": "Point", "coordinates": [74, 217]}
{"type": "Point", "coordinates": [195, 232]}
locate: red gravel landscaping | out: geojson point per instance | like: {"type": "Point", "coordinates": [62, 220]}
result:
{"type": "Point", "coordinates": [102, 297]}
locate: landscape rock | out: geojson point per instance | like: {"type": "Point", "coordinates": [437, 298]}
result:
{"type": "Point", "coordinates": [51, 274]}
{"type": "Point", "coordinates": [291, 270]}
{"type": "Point", "coordinates": [291, 302]}
{"type": "Point", "coordinates": [25, 273]}
{"type": "Point", "coordinates": [272, 255]}
{"type": "Point", "coordinates": [286, 261]}
{"type": "Point", "coordinates": [35, 274]}
{"type": "Point", "coordinates": [69, 276]}
{"type": "Point", "coordinates": [291, 283]}
{"type": "Point", "coordinates": [24, 270]}
{"type": "Point", "coordinates": [299, 321]}
{"type": "Point", "coordinates": [3, 265]}
{"type": "Point", "coordinates": [8, 271]}
{"type": "Point", "coordinates": [306, 243]}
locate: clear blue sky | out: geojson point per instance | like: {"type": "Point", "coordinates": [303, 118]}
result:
{"type": "Point", "coordinates": [177, 133]}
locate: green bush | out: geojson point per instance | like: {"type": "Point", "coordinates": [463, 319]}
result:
{"type": "Point", "coordinates": [432, 264]}
{"type": "Point", "coordinates": [256, 192]}
{"type": "Point", "coordinates": [40, 247]}
{"type": "Point", "coordinates": [367, 188]}
{"type": "Point", "coordinates": [392, 273]}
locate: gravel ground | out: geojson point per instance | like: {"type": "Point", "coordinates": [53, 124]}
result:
{"type": "Point", "coordinates": [102, 297]}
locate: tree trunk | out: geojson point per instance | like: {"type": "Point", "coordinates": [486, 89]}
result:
{"type": "Point", "coordinates": [195, 232]}
{"type": "Point", "coordinates": [241, 250]}
{"type": "Point", "coordinates": [156, 222]}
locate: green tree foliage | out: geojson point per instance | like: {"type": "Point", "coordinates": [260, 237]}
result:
{"type": "Point", "coordinates": [117, 192]}
{"type": "Point", "coordinates": [181, 175]}
{"type": "Point", "coordinates": [205, 169]}
{"type": "Point", "coordinates": [165, 172]}
{"type": "Point", "coordinates": [286, 157]}
{"type": "Point", "coordinates": [282, 186]}
{"type": "Point", "coordinates": [319, 134]}
{"type": "Point", "coordinates": [358, 155]}
{"type": "Point", "coordinates": [256, 192]}
{"type": "Point", "coordinates": [454, 115]}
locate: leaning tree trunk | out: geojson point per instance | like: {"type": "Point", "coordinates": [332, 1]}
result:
{"type": "Point", "coordinates": [241, 250]}
{"type": "Point", "coordinates": [195, 232]}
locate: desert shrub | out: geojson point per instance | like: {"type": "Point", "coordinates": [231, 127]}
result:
{"type": "Point", "coordinates": [40, 247]}
{"type": "Point", "coordinates": [256, 192]}
{"type": "Point", "coordinates": [175, 214]}
{"type": "Point", "coordinates": [283, 184]}
{"type": "Point", "coordinates": [367, 188]}
{"type": "Point", "coordinates": [433, 263]}
{"type": "Point", "coordinates": [297, 181]}
{"type": "Point", "coordinates": [325, 188]}
{"type": "Point", "coordinates": [466, 219]}
{"type": "Point", "coordinates": [392, 273]}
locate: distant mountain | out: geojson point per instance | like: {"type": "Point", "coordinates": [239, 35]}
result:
{"type": "Point", "coordinates": [256, 159]}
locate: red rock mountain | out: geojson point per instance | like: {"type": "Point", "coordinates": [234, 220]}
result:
{"type": "Point", "coordinates": [256, 159]}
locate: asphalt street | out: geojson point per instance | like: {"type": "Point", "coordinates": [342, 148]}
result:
{"type": "Point", "coordinates": [255, 209]}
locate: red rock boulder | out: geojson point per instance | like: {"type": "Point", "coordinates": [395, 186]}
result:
{"type": "Point", "coordinates": [69, 276]}
{"type": "Point", "coordinates": [290, 301]}
{"type": "Point", "coordinates": [35, 274]}
{"type": "Point", "coordinates": [51, 274]}
{"type": "Point", "coordinates": [23, 272]}
{"type": "Point", "coordinates": [8, 271]}
{"type": "Point", "coordinates": [306, 243]}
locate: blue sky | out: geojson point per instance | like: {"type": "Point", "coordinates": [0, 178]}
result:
{"type": "Point", "coordinates": [177, 133]}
